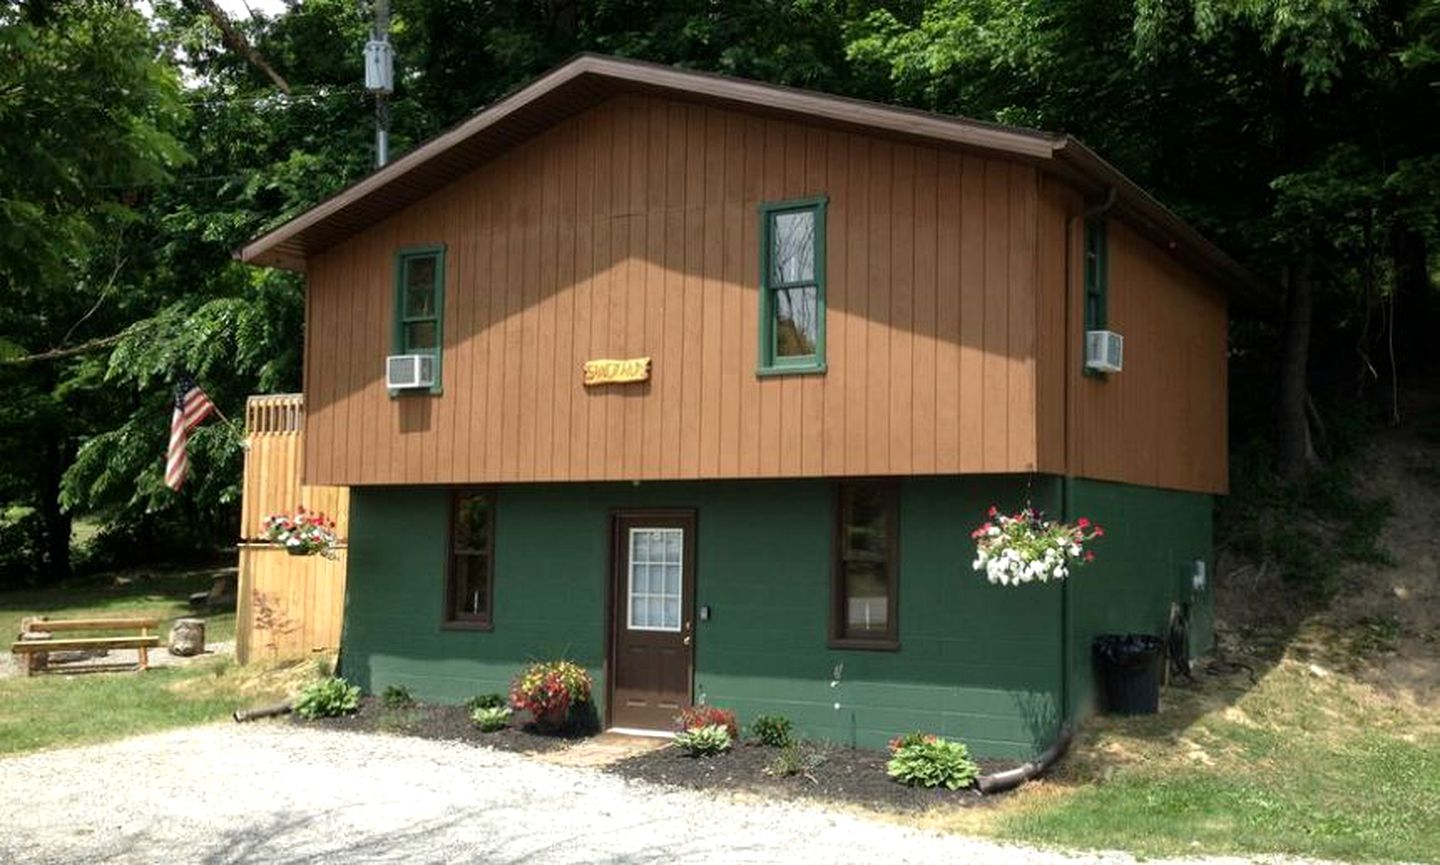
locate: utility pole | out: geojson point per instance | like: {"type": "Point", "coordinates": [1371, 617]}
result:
{"type": "Point", "coordinates": [380, 78]}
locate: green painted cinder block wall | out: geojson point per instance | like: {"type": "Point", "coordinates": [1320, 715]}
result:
{"type": "Point", "coordinates": [1145, 562]}
{"type": "Point", "coordinates": [976, 661]}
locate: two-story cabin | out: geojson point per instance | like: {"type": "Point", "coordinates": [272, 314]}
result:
{"type": "Point", "coordinates": [864, 326]}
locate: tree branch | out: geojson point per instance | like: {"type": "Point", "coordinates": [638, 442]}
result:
{"type": "Point", "coordinates": [75, 350]}
{"type": "Point", "coordinates": [240, 45]}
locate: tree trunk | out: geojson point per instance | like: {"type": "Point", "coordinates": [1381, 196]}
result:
{"type": "Point", "coordinates": [1413, 304]}
{"type": "Point", "coordinates": [1294, 455]}
{"type": "Point", "coordinates": [56, 524]}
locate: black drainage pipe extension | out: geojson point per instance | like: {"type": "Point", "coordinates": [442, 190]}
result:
{"type": "Point", "coordinates": [263, 712]}
{"type": "Point", "coordinates": [999, 782]}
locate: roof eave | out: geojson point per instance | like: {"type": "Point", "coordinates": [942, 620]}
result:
{"type": "Point", "coordinates": [1163, 225]}
{"type": "Point", "coordinates": [591, 76]}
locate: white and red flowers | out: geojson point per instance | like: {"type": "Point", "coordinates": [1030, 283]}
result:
{"type": "Point", "coordinates": [1027, 548]}
{"type": "Point", "coordinates": [302, 534]}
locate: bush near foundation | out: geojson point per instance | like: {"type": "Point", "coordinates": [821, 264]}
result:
{"type": "Point", "coordinates": [327, 699]}
{"type": "Point", "coordinates": [708, 716]}
{"type": "Point", "coordinates": [925, 760]}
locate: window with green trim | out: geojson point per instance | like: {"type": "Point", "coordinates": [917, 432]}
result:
{"type": "Point", "coordinates": [420, 303]}
{"type": "Point", "coordinates": [1097, 279]}
{"type": "Point", "coordinates": [1097, 284]}
{"type": "Point", "coordinates": [792, 287]}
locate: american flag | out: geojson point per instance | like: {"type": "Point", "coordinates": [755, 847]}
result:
{"type": "Point", "coordinates": [191, 407]}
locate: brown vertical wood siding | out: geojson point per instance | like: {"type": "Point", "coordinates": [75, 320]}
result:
{"type": "Point", "coordinates": [631, 230]}
{"type": "Point", "coordinates": [1163, 421]}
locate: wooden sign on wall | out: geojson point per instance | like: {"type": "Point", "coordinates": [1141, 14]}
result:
{"type": "Point", "coordinates": [604, 371]}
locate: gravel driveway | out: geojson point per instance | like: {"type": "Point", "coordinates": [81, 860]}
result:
{"type": "Point", "coordinates": [274, 793]}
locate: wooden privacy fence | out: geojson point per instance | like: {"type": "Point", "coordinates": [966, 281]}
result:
{"type": "Point", "coordinates": [288, 606]}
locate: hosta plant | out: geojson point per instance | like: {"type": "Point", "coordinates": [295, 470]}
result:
{"type": "Point", "coordinates": [1027, 548]}
{"type": "Point", "coordinates": [921, 760]}
{"type": "Point", "coordinates": [705, 741]}
{"type": "Point", "coordinates": [328, 698]}
{"type": "Point", "coordinates": [302, 533]}
{"type": "Point", "coordinates": [491, 718]}
{"type": "Point", "coordinates": [707, 716]}
{"type": "Point", "coordinates": [549, 690]}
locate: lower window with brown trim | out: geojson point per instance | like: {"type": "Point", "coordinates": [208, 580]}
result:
{"type": "Point", "coordinates": [864, 591]}
{"type": "Point", "coordinates": [470, 578]}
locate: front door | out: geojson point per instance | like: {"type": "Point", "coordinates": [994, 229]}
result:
{"type": "Point", "coordinates": [652, 647]}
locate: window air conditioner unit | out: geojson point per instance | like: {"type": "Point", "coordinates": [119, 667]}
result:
{"type": "Point", "coordinates": [1104, 351]}
{"type": "Point", "coordinates": [409, 371]}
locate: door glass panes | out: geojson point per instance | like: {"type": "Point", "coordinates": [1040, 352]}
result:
{"type": "Point", "coordinates": [657, 558]}
{"type": "Point", "coordinates": [792, 254]}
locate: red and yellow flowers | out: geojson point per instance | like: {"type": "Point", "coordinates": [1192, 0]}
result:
{"type": "Point", "coordinates": [1026, 548]}
{"type": "Point", "coordinates": [548, 690]}
{"type": "Point", "coordinates": [708, 716]}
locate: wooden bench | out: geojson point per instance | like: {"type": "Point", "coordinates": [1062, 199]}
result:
{"type": "Point", "coordinates": [36, 644]}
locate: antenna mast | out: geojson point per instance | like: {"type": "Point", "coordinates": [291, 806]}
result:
{"type": "Point", "coordinates": [380, 78]}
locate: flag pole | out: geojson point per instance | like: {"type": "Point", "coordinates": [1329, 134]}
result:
{"type": "Point", "coordinates": [235, 428]}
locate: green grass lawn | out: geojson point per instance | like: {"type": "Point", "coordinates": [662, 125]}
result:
{"type": "Point", "coordinates": [1300, 763]}
{"type": "Point", "coordinates": [163, 594]}
{"type": "Point", "coordinates": [54, 710]}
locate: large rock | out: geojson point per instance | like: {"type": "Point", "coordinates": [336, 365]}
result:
{"type": "Point", "coordinates": [187, 637]}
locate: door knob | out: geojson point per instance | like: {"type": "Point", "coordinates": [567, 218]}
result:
{"type": "Point", "coordinates": [686, 640]}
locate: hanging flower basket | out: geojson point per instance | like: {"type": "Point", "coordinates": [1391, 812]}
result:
{"type": "Point", "coordinates": [1027, 548]}
{"type": "Point", "coordinates": [302, 533]}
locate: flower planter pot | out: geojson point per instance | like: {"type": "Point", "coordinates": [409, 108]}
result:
{"type": "Point", "coordinates": [297, 551]}
{"type": "Point", "coordinates": [553, 719]}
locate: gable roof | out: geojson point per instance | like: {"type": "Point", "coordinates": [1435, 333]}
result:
{"type": "Point", "coordinates": [590, 79]}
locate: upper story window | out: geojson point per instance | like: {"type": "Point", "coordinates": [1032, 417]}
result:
{"type": "Point", "coordinates": [792, 287]}
{"type": "Point", "coordinates": [864, 593]}
{"type": "Point", "coordinates": [470, 584]}
{"type": "Point", "coordinates": [420, 304]}
{"type": "Point", "coordinates": [1097, 282]}
{"type": "Point", "coordinates": [1097, 277]}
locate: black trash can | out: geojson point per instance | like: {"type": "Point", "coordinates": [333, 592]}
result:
{"type": "Point", "coordinates": [1129, 666]}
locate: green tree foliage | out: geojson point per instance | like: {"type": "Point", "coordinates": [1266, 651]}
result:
{"type": "Point", "coordinates": [88, 116]}
{"type": "Point", "coordinates": [1301, 134]}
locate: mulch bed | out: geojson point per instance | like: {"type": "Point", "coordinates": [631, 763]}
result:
{"type": "Point", "coordinates": [852, 776]}
{"type": "Point", "coordinates": [445, 723]}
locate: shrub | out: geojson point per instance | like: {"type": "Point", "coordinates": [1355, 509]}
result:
{"type": "Point", "coordinates": [705, 741]}
{"type": "Point", "coordinates": [795, 759]}
{"type": "Point", "coordinates": [549, 690]}
{"type": "Point", "coordinates": [932, 762]}
{"type": "Point", "coordinates": [708, 716]}
{"type": "Point", "coordinates": [328, 698]}
{"type": "Point", "coordinates": [771, 730]}
{"type": "Point", "coordinates": [491, 718]}
{"type": "Point", "coordinates": [397, 697]}
{"type": "Point", "coordinates": [487, 701]}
